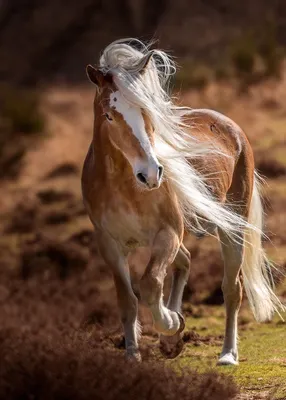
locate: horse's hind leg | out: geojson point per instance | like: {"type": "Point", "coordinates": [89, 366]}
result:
{"type": "Point", "coordinates": [180, 276]}
{"type": "Point", "coordinates": [232, 293]}
{"type": "Point", "coordinates": [171, 346]}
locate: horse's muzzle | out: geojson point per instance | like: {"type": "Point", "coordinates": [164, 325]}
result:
{"type": "Point", "coordinates": [151, 178]}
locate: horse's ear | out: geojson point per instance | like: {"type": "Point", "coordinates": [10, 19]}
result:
{"type": "Point", "coordinates": [94, 75]}
{"type": "Point", "coordinates": [145, 61]}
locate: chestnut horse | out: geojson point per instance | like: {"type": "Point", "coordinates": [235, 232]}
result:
{"type": "Point", "coordinates": [156, 172]}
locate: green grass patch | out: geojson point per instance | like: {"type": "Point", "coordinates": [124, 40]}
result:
{"type": "Point", "coordinates": [262, 350]}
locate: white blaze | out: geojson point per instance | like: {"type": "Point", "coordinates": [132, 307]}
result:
{"type": "Point", "coordinates": [134, 119]}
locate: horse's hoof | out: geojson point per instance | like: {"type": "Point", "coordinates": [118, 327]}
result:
{"type": "Point", "coordinates": [172, 346]}
{"type": "Point", "coordinates": [227, 359]}
{"type": "Point", "coordinates": [133, 356]}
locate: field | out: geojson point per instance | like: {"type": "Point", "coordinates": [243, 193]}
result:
{"type": "Point", "coordinates": [60, 335]}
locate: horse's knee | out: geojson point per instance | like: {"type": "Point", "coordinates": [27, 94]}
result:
{"type": "Point", "coordinates": [151, 288]}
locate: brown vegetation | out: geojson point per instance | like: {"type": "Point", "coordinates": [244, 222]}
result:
{"type": "Point", "coordinates": [64, 368]}
{"type": "Point", "coordinates": [60, 325]}
{"type": "Point", "coordinates": [20, 123]}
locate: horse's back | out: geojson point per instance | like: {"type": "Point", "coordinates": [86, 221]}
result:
{"type": "Point", "coordinates": [214, 127]}
{"type": "Point", "coordinates": [230, 165]}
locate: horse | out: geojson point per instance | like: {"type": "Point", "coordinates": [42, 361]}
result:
{"type": "Point", "coordinates": [157, 172]}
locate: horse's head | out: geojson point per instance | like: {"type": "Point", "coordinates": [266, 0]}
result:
{"type": "Point", "coordinates": [128, 127]}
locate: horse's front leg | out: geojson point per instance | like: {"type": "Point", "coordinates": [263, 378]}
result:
{"type": "Point", "coordinates": [127, 301]}
{"type": "Point", "coordinates": [163, 252]}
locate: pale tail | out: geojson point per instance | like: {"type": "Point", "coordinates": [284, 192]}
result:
{"type": "Point", "coordinates": [256, 272]}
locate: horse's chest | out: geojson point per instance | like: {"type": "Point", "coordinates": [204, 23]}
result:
{"type": "Point", "coordinates": [127, 228]}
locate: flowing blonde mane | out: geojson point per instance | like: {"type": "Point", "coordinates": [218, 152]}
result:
{"type": "Point", "coordinates": [173, 144]}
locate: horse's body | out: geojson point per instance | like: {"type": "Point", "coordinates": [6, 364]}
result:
{"type": "Point", "coordinates": [131, 205]}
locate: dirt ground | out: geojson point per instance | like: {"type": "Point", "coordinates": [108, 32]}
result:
{"type": "Point", "coordinates": [60, 334]}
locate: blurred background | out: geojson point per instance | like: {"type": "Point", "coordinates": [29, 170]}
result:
{"type": "Point", "coordinates": [57, 298]}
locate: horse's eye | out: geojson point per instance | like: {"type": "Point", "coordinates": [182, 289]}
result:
{"type": "Point", "coordinates": [107, 116]}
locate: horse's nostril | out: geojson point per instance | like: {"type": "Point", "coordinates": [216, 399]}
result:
{"type": "Point", "coordinates": [160, 171]}
{"type": "Point", "coordinates": [141, 177]}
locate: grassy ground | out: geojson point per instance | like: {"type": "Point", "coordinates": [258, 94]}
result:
{"type": "Point", "coordinates": [262, 369]}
